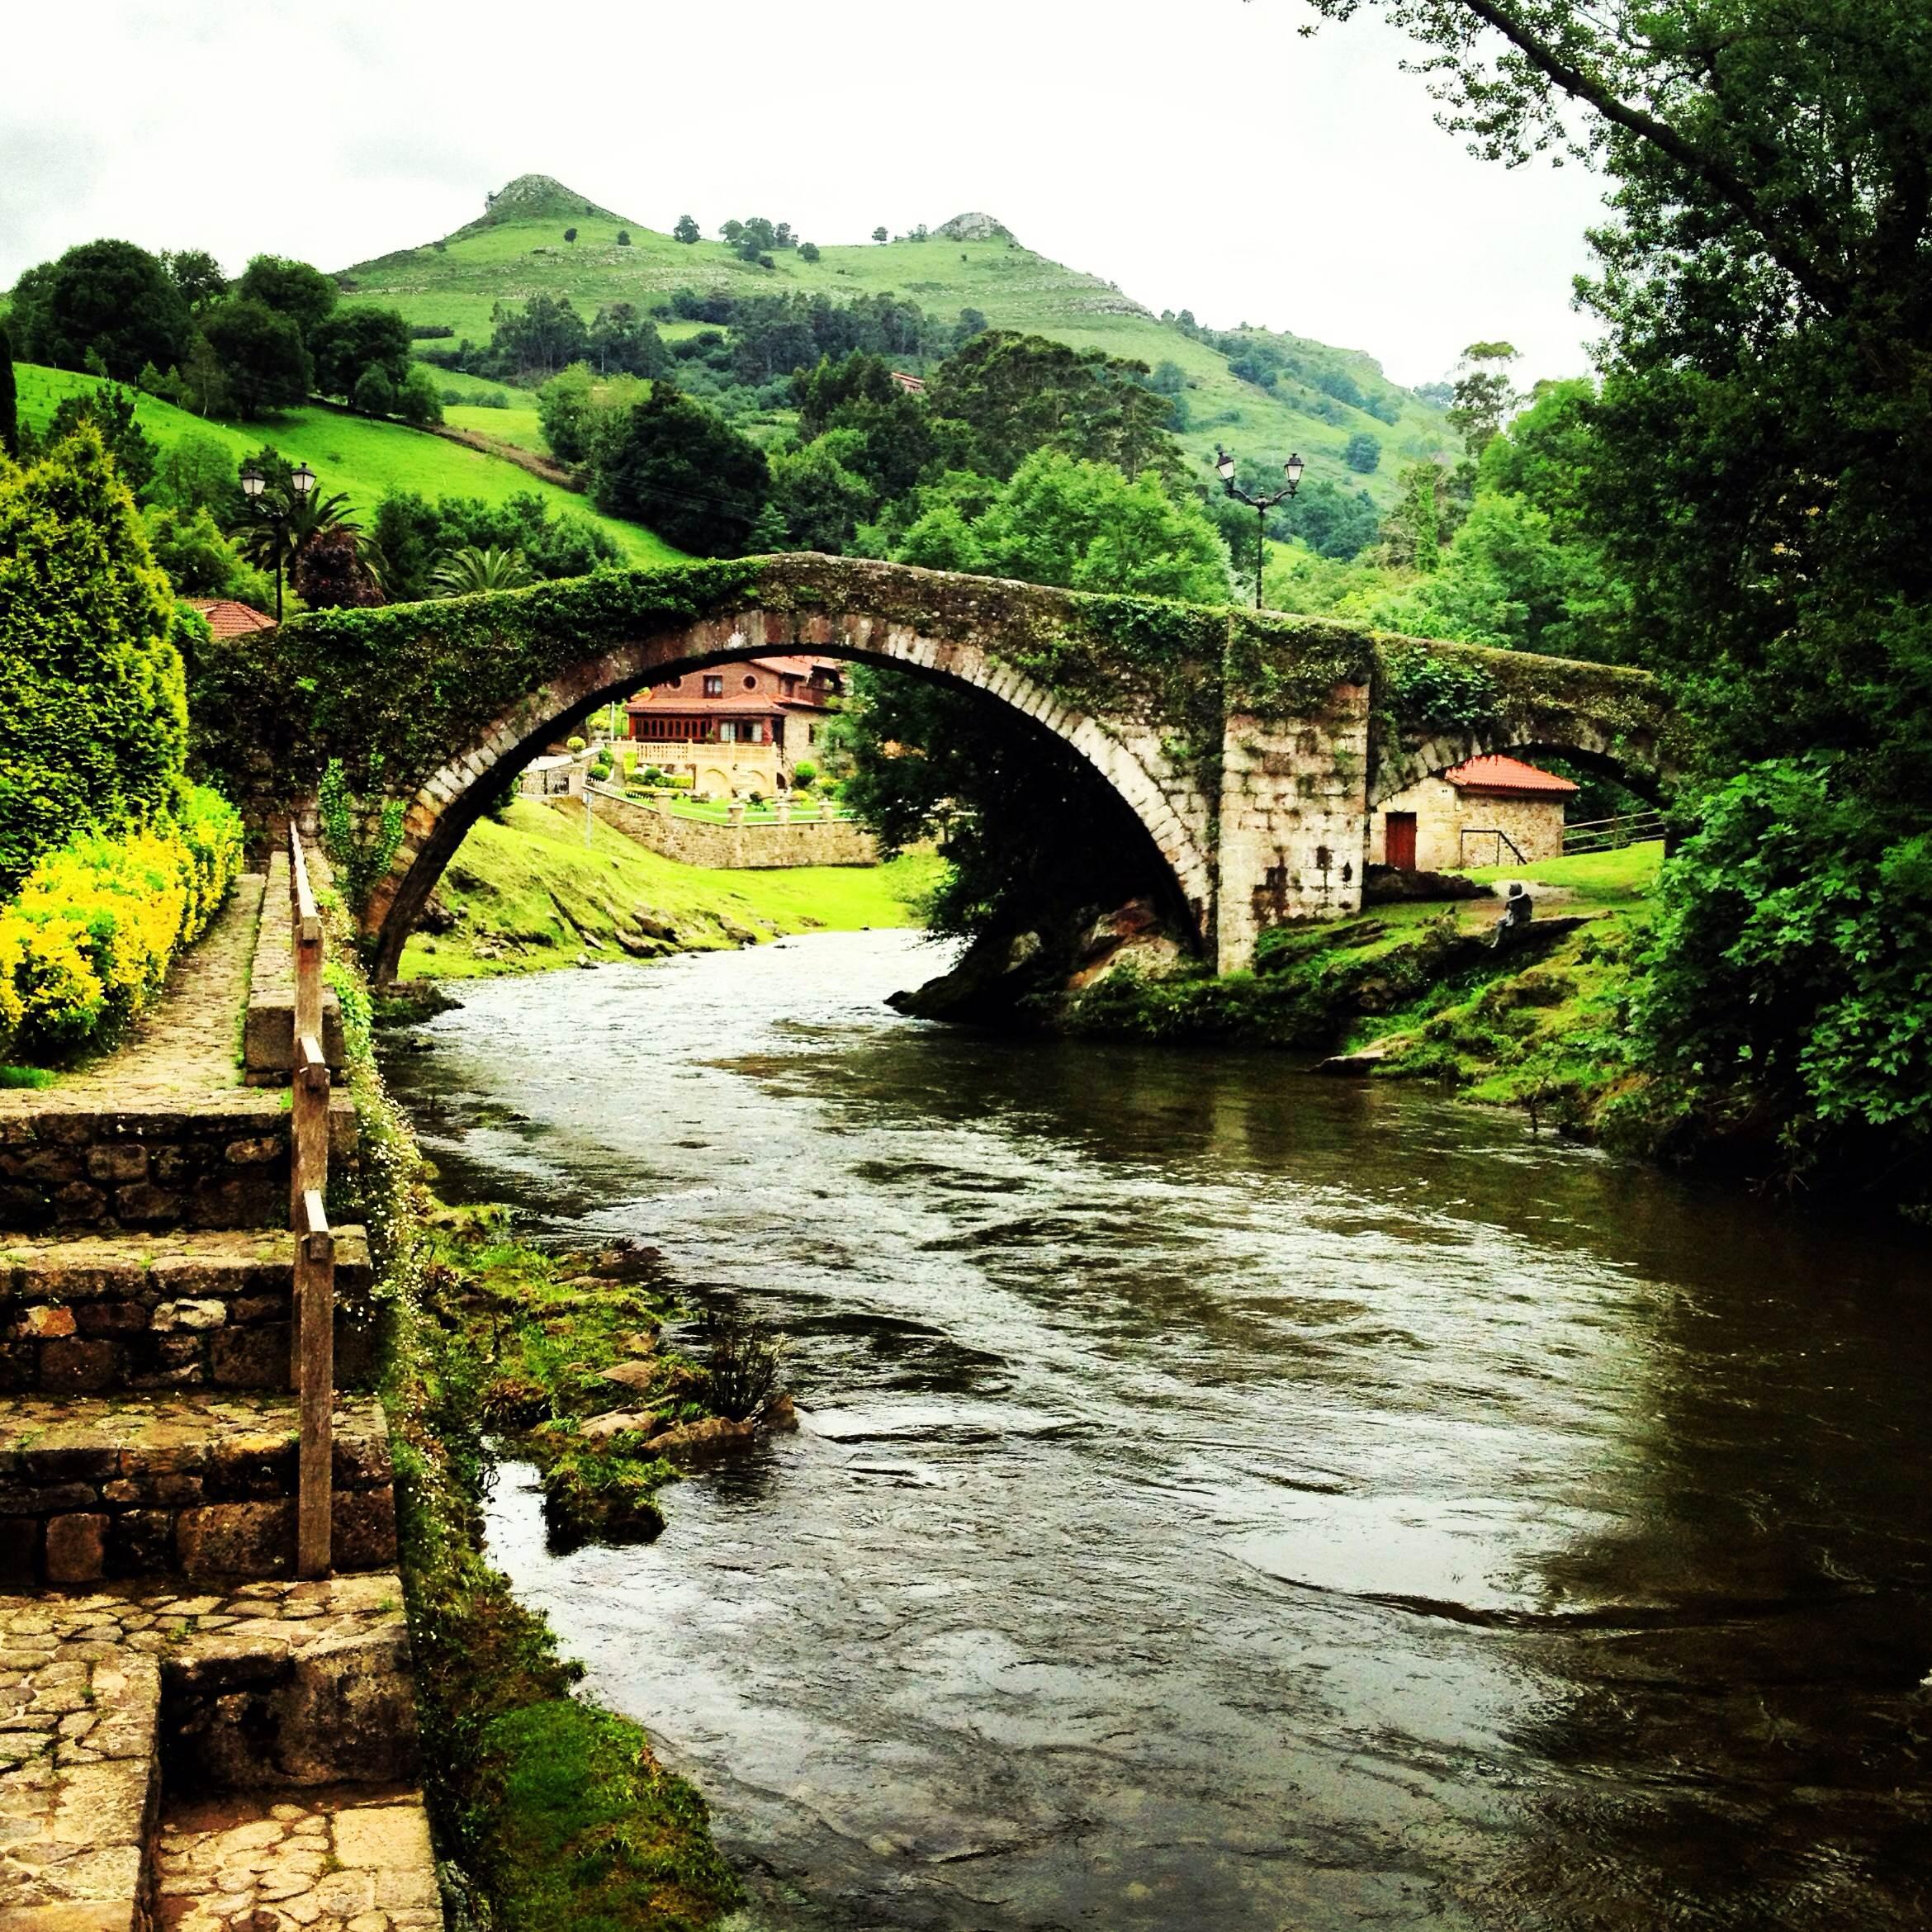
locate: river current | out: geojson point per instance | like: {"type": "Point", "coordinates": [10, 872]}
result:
{"type": "Point", "coordinates": [1227, 1500]}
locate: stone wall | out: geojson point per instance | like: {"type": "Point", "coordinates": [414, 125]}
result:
{"type": "Point", "coordinates": [1294, 824]}
{"type": "Point", "coordinates": [764, 846]}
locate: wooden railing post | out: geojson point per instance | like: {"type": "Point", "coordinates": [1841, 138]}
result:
{"type": "Point", "coordinates": [314, 1493]}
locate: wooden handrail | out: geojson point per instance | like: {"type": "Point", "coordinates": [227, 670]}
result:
{"type": "Point", "coordinates": [315, 1275]}
{"type": "Point", "coordinates": [311, 1337]}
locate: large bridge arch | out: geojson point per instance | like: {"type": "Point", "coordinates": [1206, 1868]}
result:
{"type": "Point", "coordinates": [1133, 764]}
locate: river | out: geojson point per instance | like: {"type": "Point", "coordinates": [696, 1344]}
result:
{"type": "Point", "coordinates": [1227, 1500]}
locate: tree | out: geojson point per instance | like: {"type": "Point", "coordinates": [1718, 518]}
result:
{"type": "Point", "coordinates": [971, 323]}
{"type": "Point", "coordinates": [1484, 395]}
{"type": "Point", "coordinates": [93, 721]}
{"type": "Point", "coordinates": [879, 234]}
{"type": "Point", "coordinates": [197, 275]}
{"type": "Point", "coordinates": [684, 472]}
{"type": "Point", "coordinates": [375, 394]}
{"type": "Point", "coordinates": [465, 570]}
{"type": "Point", "coordinates": [623, 238]}
{"type": "Point", "coordinates": [821, 502]}
{"type": "Point", "coordinates": [419, 400]}
{"type": "Point", "coordinates": [807, 251]}
{"type": "Point", "coordinates": [292, 288]}
{"type": "Point", "coordinates": [570, 234]}
{"type": "Point", "coordinates": [355, 339]}
{"type": "Point", "coordinates": [108, 299]}
{"type": "Point", "coordinates": [197, 472]}
{"type": "Point", "coordinates": [1412, 532]}
{"type": "Point", "coordinates": [327, 574]}
{"type": "Point", "coordinates": [687, 229]}
{"type": "Point", "coordinates": [1364, 452]}
{"type": "Point", "coordinates": [9, 405]}
{"type": "Point", "coordinates": [113, 413]}
{"type": "Point", "coordinates": [622, 342]}
{"type": "Point", "coordinates": [201, 561]}
{"type": "Point", "coordinates": [261, 353]}
{"type": "Point", "coordinates": [545, 335]}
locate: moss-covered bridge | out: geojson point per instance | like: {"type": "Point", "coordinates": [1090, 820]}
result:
{"type": "Point", "coordinates": [1251, 749]}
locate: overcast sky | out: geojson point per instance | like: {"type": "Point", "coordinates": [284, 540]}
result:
{"type": "Point", "coordinates": [1199, 152]}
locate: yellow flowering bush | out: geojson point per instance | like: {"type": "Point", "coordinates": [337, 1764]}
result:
{"type": "Point", "coordinates": [86, 946]}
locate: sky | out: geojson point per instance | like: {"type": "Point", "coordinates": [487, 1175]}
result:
{"type": "Point", "coordinates": [1200, 153]}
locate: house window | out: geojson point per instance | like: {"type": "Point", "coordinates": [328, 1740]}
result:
{"type": "Point", "coordinates": [752, 684]}
{"type": "Point", "coordinates": [714, 686]}
{"type": "Point", "coordinates": [676, 683]}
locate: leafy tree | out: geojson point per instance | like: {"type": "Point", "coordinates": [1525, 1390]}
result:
{"type": "Point", "coordinates": [1015, 394]}
{"type": "Point", "coordinates": [419, 400]}
{"type": "Point", "coordinates": [971, 323]}
{"type": "Point", "coordinates": [327, 574]}
{"type": "Point", "coordinates": [1364, 452]}
{"type": "Point", "coordinates": [200, 560]}
{"type": "Point", "coordinates": [622, 342]}
{"type": "Point", "coordinates": [470, 568]}
{"type": "Point", "coordinates": [687, 229]}
{"type": "Point", "coordinates": [898, 442]}
{"type": "Point", "coordinates": [1168, 378]}
{"type": "Point", "coordinates": [354, 339]}
{"type": "Point", "coordinates": [1412, 532]}
{"type": "Point", "coordinates": [545, 335]}
{"type": "Point", "coordinates": [305, 294]}
{"type": "Point", "coordinates": [678, 467]}
{"type": "Point", "coordinates": [1484, 395]}
{"type": "Point", "coordinates": [197, 275]}
{"type": "Point", "coordinates": [113, 412]}
{"type": "Point", "coordinates": [195, 472]}
{"type": "Point", "coordinates": [623, 238]}
{"type": "Point", "coordinates": [94, 721]}
{"type": "Point", "coordinates": [570, 234]}
{"type": "Point", "coordinates": [106, 298]}
{"type": "Point", "coordinates": [9, 404]}
{"type": "Point", "coordinates": [375, 394]}
{"type": "Point", "coordinates": [821, 501]}
{"type": "Point", "coordinates": [879, 234]}
{"type": "Point", "coordinates": [807, 251]}
{"type": "Point", "coordinates": [261, 353]}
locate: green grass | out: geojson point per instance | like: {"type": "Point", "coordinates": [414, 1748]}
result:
{"type": "Point", "coordinates": [1012, 286]}
{"type": "Point", "coordinates": [519, 426]}
{"type": "Point", "coordinates": [1597, 878]}
{"type": "Point", "coordinates": [365, 458]}
{"type": "Point", "coordinates": [531, 893]}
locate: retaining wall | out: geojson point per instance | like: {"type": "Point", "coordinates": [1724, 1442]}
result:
{"type": "Point", "coordinates": [762, 846]}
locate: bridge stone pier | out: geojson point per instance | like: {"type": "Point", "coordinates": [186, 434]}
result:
{"type": "Point", "coordinates": [1250, 750]}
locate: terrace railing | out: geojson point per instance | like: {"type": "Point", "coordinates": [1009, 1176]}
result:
{"type": "Point", "coordinates": [1612, 835]}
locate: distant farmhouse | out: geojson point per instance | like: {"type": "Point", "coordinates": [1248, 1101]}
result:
{"type": "Point", "coordinates": [741, 728]}
{"type": "Point", "coordinates": [1488, 811]}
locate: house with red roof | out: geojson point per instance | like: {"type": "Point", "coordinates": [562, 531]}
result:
{"type": "Point", "coordinates": [738, 728]}
{"type": "Point", "coordinates": [1487, 811]}
{"type": "Point", "coordinates": [226, 617]}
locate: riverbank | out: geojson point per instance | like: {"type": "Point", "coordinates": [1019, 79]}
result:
{"type": "Point", "coordinates": [1411, 990]}
{"type": "Point", "coordinates": [530, 892]}
{"type": "Point", "coordinates": [548, 1811]}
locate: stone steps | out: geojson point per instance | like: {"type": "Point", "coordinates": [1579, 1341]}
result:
{"type": "Point", "coordinates": [194, 1486]}
{"type": "Point", "coordinates": [127, 1716]}
{"type": "Point", "coordinates": [177, 1309]}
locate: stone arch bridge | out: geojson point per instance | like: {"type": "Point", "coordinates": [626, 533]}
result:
{"type": "Point", "coordinates": [1249, 748]}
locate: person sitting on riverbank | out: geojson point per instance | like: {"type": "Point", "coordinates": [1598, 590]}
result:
{"type": "Point", "coordinates": [1517, 910]}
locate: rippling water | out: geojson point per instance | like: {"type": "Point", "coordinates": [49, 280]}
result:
{"type": "Point", "coordinates": [1227, 1499]}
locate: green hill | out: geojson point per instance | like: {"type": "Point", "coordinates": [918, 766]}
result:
{"type": "Point", "coordinates": [516, 250]}
{"type": "Point", "coordinates": [362, 456]}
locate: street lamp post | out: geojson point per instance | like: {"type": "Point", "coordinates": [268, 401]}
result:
{"type": "Point", "coordinates": [277, 509]}
{"type": "Point", "coordinates": [1224, 468]}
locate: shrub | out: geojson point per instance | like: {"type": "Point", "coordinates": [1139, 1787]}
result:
{"type": "Point", "coordinates": [573, 745]}
{"type": "Point", "coordinates": [86, 946]}
{"type": "Point", "coordinates": [360, 837]}
{"type": "Point", "coordinates": [94, 721]}
{"type": "Point", "coordinates": [741, 1362]}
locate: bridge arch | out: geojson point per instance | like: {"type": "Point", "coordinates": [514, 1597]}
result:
{"type": "Point", "coordinates": [1136, 764]}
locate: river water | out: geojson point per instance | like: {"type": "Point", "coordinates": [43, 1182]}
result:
{"type": "Point", "coordinates": [1227, 1499]}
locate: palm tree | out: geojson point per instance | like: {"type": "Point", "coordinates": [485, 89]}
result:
{"type": "Point", "coordinates": [280, 538]}
{"type": "Point", "coordinates": [468, 569]}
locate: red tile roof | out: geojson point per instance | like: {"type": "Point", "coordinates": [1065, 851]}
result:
{"type": "Point", "coordinates": [1509, 776]}
{"type": "Point", "coordinates": [227, 618]}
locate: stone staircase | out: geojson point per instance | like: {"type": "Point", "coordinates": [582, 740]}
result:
{"type": "Point", "coordinates": [191, 1737]}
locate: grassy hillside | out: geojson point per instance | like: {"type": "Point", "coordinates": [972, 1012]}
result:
{"type": "Point", "coordinates": [530, 892]}
{"type": "Point", "coordinates": [518, 250]}
{"type": "Point", "coordinates": [365, 457]}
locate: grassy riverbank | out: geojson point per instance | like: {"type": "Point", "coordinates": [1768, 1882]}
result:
{"type": "Point", "coordinates": [548, 1810]}
{"type": "Point", "coordinates": [530, 892]}
{"type": "Point", "coordinates": [1415, 991]}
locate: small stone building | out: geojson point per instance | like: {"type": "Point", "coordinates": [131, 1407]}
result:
{"type": "Point", "coordinates": [1489, 811]}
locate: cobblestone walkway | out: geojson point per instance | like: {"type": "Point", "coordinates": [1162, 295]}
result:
{"type": "Point", "coordinates": [187, 1048]}
{"type": "Point", "coordinates": [345, 1858]}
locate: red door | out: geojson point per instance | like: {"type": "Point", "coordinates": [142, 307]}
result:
{"type": "Point", "coordinates": [1398, 843]}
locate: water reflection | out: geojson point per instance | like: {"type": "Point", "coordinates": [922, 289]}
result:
{"type": "Point", "coordinates": [1227, 1499]}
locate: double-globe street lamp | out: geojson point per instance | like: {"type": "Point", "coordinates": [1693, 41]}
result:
{"type": "Point", "coordinates": [1224, 465]}
{"type": "Point", "coordinates": [277, 509]}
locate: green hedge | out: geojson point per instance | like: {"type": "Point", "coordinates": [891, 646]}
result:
{"type": "Point", "coordinates": [86, 946]}
{"type": "Point", "coordinates": [93, 722]}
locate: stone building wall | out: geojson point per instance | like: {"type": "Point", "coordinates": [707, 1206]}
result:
{"type": "Point", "coordinates": [764, 846]}
{"type": "Point", "coordinates": [1443, 813]}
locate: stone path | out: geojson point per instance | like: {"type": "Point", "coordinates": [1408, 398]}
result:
{"type": "Point", "coordinates": [187, 1048]}
{"type": "Point", "coordinates": [346, 1858]}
